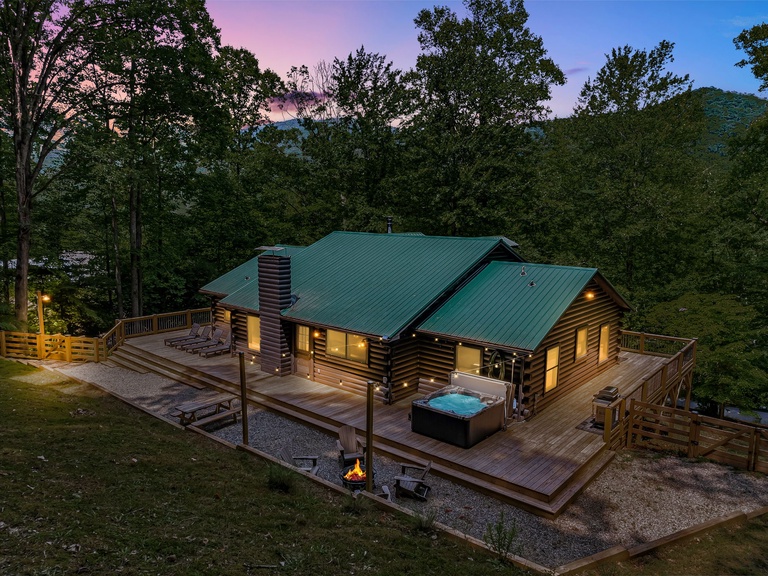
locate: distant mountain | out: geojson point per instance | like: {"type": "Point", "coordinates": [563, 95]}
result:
{"type": "Point", "coordinates": [729, 114]}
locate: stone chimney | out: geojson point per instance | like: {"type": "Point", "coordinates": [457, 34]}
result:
{"type": "Point", "coordinates": [274, 296]}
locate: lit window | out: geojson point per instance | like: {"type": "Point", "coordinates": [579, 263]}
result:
{"type": "Point", "coordinates": [302, 338]}
{"type": "Point", "coordinates": [553, 364]}
{"type": "Point", "coordinates": [469, 359]}
{"type": "Point", "coordinates": [347, 346]}
{"type": "Point", "coordinates": [605, 343]}
{"type": "Point", "coordinates": [254, 333]}
{"type": "Point", "coordinates": [227, 315]}
{"type": "Point", "coordinates": [581, 342]}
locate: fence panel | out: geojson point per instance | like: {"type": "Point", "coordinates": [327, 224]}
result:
{"type": "Point", "coordinates": [20, 345]}
{"type": "Point", "coordinates": [761, 452]}
{"type": "Point", "coordinates": [654, 426]}
{"type": "Point", "coordinates": [725, 442]}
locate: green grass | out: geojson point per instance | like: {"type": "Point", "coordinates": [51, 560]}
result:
{"type": "Point", "coordinates": [738, 550]}
{"type": "Point", "coordinates": [89, 485]}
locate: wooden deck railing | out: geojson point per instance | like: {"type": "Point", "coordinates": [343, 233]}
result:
{"type": "Point", "coordinates": [78, 349]}
{"type": "Point", "coordinates": [661, 386]}
{"type": "Point", "coordinates": [736, 444]}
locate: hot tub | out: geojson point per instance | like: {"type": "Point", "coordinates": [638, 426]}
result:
{"type": "Point", "coordinates": [463, 420]}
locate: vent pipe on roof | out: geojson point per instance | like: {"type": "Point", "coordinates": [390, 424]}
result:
{"type": "Point", "coordinates": [523, 272]}
{"type": "Point", "coordinates": [389, 224]}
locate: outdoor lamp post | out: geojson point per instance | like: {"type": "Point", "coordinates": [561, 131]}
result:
{"type": "Point", "coordinates": [369, 438]}
{"type": "Point", "coordinates": [41, 299]}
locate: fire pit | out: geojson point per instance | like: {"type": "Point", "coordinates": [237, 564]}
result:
{"type": "Point", "coordinates": [353, 477]}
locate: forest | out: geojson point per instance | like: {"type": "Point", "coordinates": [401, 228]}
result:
{"type": "Point", "coordinates": [138, 162]}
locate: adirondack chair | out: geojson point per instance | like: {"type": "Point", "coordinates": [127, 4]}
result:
{"type": "Point", "coordinates": [300, 462]}
{"type": "Point", "coordinates": [193, 332]}
{"type": "Point", "coordinates": [214, 340]}
{"type": "Point", "coordinates": [350, 447]}
{"type": "Point", "coordinates": [224, 346]}
{"type": "Point", "coordinates": [201, 338]}
{"type": "Point", "coordinates": [411, 484]}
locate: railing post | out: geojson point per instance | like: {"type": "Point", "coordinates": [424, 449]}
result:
{"type": "Point", "coordinates": [607, 424]}
{"type": "Point", "coordinates": [189, 319]}
{"type": "Point", "coordinates": [642, 343]}
{"type": "Point", "coordinates": [2, 344]}
{"type": "Point", "coordinates": [693, 436]}
{"type": "Point", "coordinates": [664, 377]}
{"type": "Point", "coordinates": [68, 348]}
{"type": "Point", "coordinates": [40, 346]}
{"type": "Point", "coordinates": [154, 323]}
{"type": "Point", "coordinates": [96, 346]}
{"type": "Point", "coordinates": [644, 391]}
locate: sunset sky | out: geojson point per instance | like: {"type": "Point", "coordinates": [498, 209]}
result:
{"type": "Point", "coordinates": [576, 33]}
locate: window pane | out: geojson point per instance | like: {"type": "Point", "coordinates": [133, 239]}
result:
{"type": "Point", "coordinates": [581, 342]}
{"type": "Point", "coordinates": [468, 359]}
{"type": "Point", "coordinates": [254, 333]}
{"type": "Point", "coordinates": [553, 360]}
{"type": "Point", "coordinates": [302, 338]}
{"type": "Point", "coordinates": [605, 342]}
{"type": "Point", "coordinates": [336, 344]}
{"type": "Point", "coordinates": [356, 348]}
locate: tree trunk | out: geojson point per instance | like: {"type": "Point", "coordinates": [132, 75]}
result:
{"type": "Point", "coordinates": [135, 234]}
{"type": "Point", "coordinates": [118, 270]}
{"type": "Point", "coordinates": [24, 242]}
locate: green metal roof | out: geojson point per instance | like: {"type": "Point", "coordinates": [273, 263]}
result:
{"type": "Point", "coordinates": [374, 284]}
{"type": "Point", "coordinates": [245, 273]}
{"type": "Point", "coordinates": [502, 307]}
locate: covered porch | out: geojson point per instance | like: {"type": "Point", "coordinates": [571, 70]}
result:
{"type": "Point", "coordinates": [540, 464]}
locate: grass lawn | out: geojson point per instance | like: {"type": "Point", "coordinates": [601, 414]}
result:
{"type": "Point", "coordinates": [89, 485]}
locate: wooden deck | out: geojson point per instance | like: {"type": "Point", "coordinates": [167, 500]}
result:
{"type": "Point", "coordinates": [540, 464]}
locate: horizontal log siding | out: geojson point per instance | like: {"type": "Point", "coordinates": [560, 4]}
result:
{"type": "Point", "coordinates": [404, 368]}
{"type": "Point", "coordinates": [218, 313]}
{"type": "Point", "coordinates": [350, 376]}
{"type": "Point", "coordinates": [572, 373]}
{"type": "Point", "coordinates": [436, 361]}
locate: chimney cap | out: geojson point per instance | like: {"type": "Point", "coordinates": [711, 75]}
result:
{"type": "Point", "coordinates": [273, 248]}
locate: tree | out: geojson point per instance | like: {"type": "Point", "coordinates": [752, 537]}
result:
{"type": "Point", "coordinates": [636, 125]}
{"type": "Point", "coordinates": [754, 42]}
{"type": "Point", "coordinates": [46, 48]}
{"type": "Point", "coordinates": [632, 80]}
{"type": "Point", "coordinates": [479, 84]}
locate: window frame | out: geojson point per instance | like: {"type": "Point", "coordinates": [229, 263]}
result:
{"type": "Point", "coordinates": [579, 330]}
{"type": "Point", "coordinates": [551, 369]}
{"type": "Point", "coordinates": [347, 347]}
{"type": "Point", "coordinates": [604, 341]}
{"type": "Point", "coordinates": [300, 338]}
{"type": "Point", "coordinates": [248, 325]}
{"type": "Point", "coordinates": [460, 347]}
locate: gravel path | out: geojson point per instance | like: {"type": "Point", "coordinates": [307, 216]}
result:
{"type": "Point", "coordinates": [639, 497]}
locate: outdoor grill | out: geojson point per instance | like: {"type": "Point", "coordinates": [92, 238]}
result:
{"type": "Point", "coordinates": [603, 398]}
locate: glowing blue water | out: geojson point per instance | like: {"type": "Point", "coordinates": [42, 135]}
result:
{"type": "Point", "coordinates": [460, 404]}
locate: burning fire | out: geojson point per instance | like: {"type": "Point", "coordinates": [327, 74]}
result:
{"type": "Point", "coordinates": [355, 474]}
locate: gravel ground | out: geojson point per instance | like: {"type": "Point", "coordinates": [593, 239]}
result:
{"type": "Point", "coordinates": [639, 497]}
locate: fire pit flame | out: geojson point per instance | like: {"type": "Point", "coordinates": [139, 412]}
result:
{"type": "Point", "coordinates": [355, 474]}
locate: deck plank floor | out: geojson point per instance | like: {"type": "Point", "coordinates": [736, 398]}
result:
{"type": "Point", "coordinates": [537, 457]}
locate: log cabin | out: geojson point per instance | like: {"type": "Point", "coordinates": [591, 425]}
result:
{"type": "Point", "coordinates": [408, 310]}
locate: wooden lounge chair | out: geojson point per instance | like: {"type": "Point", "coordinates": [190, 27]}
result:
{"type": "Point", "coordinates": [350, 447]}
{"type": "Point", "coordinates": [300, 462]}
{"type": "Point", "coordinates": [201, 338]}
{"type": "Point", "coordinates": [224, 346]}
{"type": "Point", "coordinates": [193, 332]}
{"type": "Point", "coordinates": [411, 481]}
{"type": "Point", "coordinates": [214, 340]}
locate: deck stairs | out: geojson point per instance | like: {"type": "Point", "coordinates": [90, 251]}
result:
{"type": "Point", "coordinates": [546, 505]}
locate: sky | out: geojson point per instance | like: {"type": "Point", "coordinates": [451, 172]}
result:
{"type": "Point", "coordinates": [577, 34]}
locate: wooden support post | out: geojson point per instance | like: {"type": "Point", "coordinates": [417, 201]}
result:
{"type": "Point", "coordinates": [607, 423]}
{"type": "Point", "coordinates": [40, 346]}
{"type": "Point", "coordinates": [154, 324]}
{"type": "Point", "coordinates": [96, 343]}
{"type": "Point", "coordinates": [243, 398]}
{"type": "Point", "coordinates": [68, 348]}
{"type": "Point", "coordinates": [642, 343]}
{"type": "Point", "coordinates": [189, 319]}
{"type": "Point", "coordinates": [369, 438]}
{"type": "Point", "coordinates": [2, 344]}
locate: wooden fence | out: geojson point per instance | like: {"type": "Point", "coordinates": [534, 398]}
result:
{"type": "Point", "coordinates": [663, 386]}
{"type": "Point", "coordinates": [77, 349]}
{"type": "Point", "coordinates": [664, 428]}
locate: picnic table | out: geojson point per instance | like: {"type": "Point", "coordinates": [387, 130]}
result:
{"type": "Point", "coordinates": [206, 410]}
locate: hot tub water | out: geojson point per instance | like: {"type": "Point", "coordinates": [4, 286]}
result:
{"type": "Point", "coordinates": [460, 404]}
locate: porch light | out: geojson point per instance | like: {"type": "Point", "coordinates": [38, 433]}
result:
{"type": "Point", "coordinates": [316, 334]}
{"type": "Point", "coordinates": [589, 295]}
{"type": "Point", "coordinates": [414, 335]}
{"type": "Point", "coordinates": [405, 384]}
{"type": "Point", "coordinates": [41, 299]}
